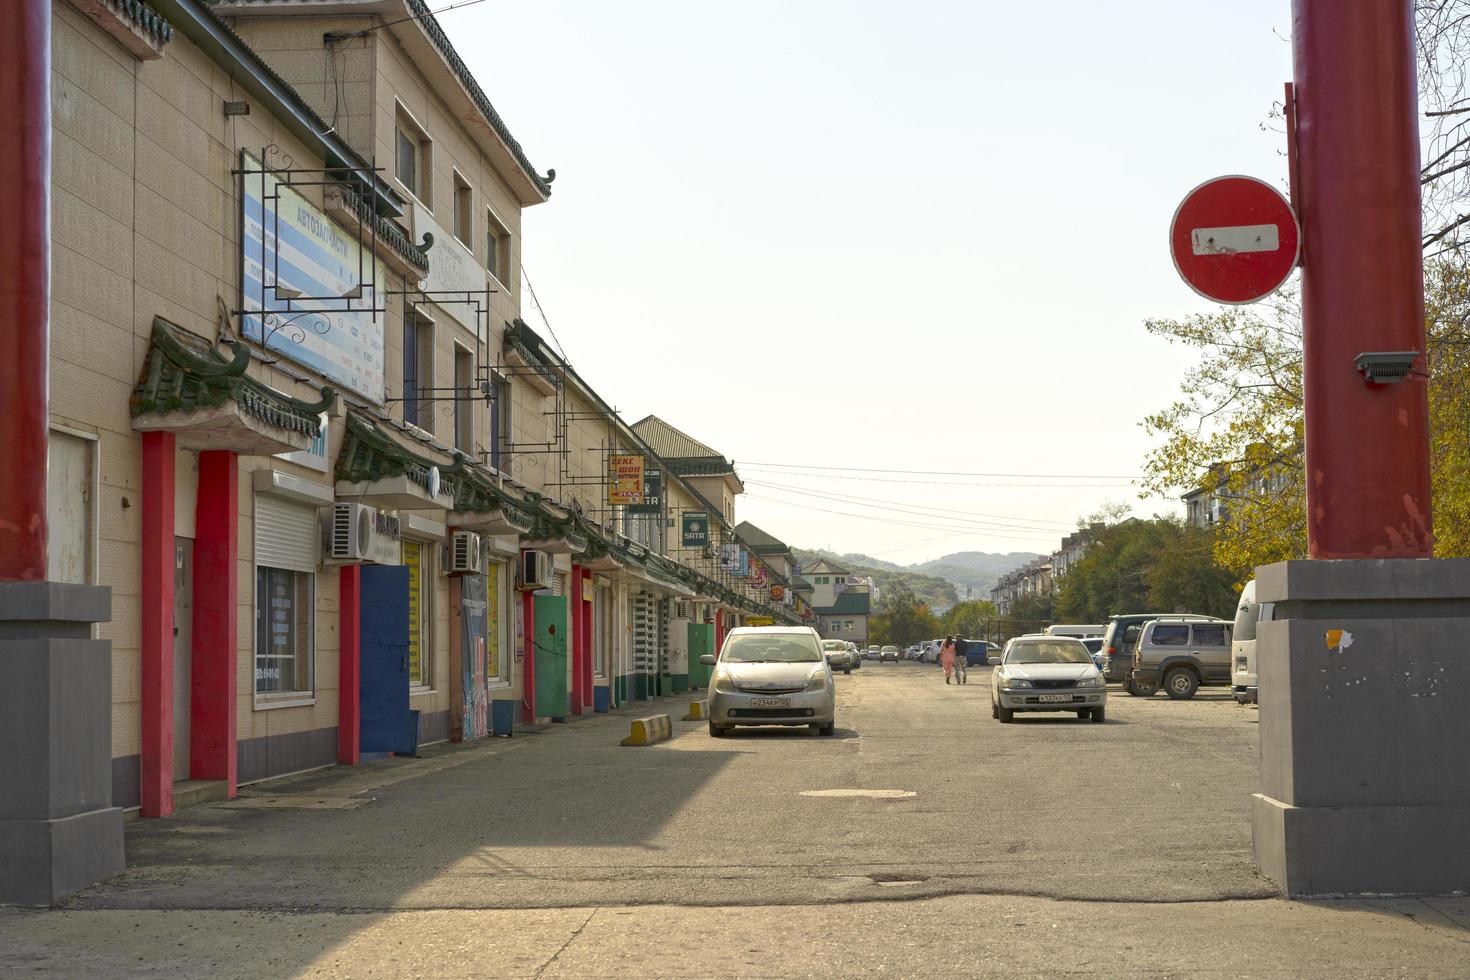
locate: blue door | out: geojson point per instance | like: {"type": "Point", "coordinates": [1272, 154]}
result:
{"type": "Point", "coordinates": [386, 721]}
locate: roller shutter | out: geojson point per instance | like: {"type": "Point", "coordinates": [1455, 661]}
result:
{"type": "Point", "coordinates": [286, 534]}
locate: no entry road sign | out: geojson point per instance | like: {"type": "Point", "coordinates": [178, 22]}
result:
{"type": "Point", "coordinates": [1234, 239]}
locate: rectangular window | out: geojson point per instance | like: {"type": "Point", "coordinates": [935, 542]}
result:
{"type": "Point", "coordinates": [497, 247]}
{"type": "Point", "coordinates": [284, 603]}
{"type": "Point", "coordinates": [498, 613]}
{"type": "Point", "coordinates": [418, 370]}
{"type": "Point", "coordinates": [464, 400]}
{"type": "Point", "coordinates": [418, 558]}
{"type": "Point", "coordinates": [500, 404]}
{"type": "Point", "coordinates": [464, 215]}
{"type": "Point", "coordinates": [413, 158]}
{"type": "Point", "coordinates": [1171, 636]}
{"type": "Point", "coordinates": [1211, 635]}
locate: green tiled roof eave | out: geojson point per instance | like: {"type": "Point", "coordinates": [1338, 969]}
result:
{"type": "Point", "coordinates": [702, 466]}
{"type": "Point", "coordinates": [182, 377]}
{"type": "Point", "coordinates": [477, 493]}
{"type": "Point", "coordinates": [436, 34]}
{"type": "Point", "coordinates": [145, 18]}
{"type": "Point", "coordinates": [387, 231]}
{"type": "Point", "coordinates": [520, 338]}
{"type": "Point", "coordinates": [368, 454]}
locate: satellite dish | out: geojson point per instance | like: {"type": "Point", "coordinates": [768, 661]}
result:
{"type": "Point", "coordinates": [433, 481]}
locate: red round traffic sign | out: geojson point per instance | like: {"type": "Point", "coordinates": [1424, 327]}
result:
{"type": "Point", "coordinates": [1234, 239]}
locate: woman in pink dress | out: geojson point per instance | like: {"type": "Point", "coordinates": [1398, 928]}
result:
{"type": "Point", "coordinates": [946, 657]}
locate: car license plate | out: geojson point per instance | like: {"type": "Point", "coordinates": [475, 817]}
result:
{"type": "Point", "coordinates": [1054, 697]}
{"type": "Point", "coordinates": [771, 703]}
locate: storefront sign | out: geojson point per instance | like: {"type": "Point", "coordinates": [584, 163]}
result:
{"type": "Point", "coordinates": [778, 592]}
{"type": "Point", "coordinates": [314, 456]}
{"type": "Point", "coordinates": [735, 560]}
{"type": "Point", "coordinates": [759, 621]}
{"type": "Point", "coordinates": [695, 529]}
{"type": "Point", "coordinates": [624, 480]}
{"type": "Point", "coordinates": [385, 545]}
{"type": "Point", "coordinates": [291, 246]}
{"type": "Point", "coordinates": [653, 494]}
{"type": "Point", "coordinates": [757, 574]}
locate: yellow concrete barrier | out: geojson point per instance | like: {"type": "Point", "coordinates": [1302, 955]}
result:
{"type": "Point", "coordinates": [698, 711]}
{"type": "Point", "coordinates": [646, 731]}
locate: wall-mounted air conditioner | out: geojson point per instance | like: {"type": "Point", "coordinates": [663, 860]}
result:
{"type": "Point", "coordinates": [465, 554]}
{"type": "Point", "coordinates": [535, 571]}
{"type": "Point", "coordinates": [349, 532]}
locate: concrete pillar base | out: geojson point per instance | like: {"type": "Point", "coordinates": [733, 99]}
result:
{"type": "Point", "coordinates": [58, 828]}
{"type": "Point", "coordinates": [1365, 740]}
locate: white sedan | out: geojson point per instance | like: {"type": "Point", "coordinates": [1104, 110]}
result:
{"type": "Point", "coordinates": [1046, 673]}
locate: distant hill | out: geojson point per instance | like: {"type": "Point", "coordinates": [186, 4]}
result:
{"type": "Point", "coordinates": [941, 582]}
{"type": "Point", "coordinates": [978, 570]}
{"type": "Point", "coordinates": [935, 591]}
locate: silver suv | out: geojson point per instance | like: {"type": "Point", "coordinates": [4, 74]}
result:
{"type": "Point", "coordinates": [1181, 655]}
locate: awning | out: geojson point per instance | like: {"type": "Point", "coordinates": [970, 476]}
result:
{"type": "Point", "coordinates": [375, 469]}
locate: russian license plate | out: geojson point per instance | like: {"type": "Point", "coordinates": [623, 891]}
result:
{"type": "Point", "coordinates": [771, 703]}
{"type": "Point", "coordinates": [1054, 698]}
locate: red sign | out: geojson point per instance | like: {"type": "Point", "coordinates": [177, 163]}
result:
{"type": "Point", "coordinates": [1234, 239]}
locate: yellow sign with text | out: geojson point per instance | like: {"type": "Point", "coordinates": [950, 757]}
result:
{"type": "Point", "coordinates": [624, 480]}
{"type": "Point", "coordinates": [759, 621]}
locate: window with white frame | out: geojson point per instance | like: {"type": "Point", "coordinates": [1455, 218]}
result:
{"type": "Point", "coordinates": [284, 601]}
{"type": "Point", "coordinates": [499, 616]}
{"type": "Point", "coordinates": [413, 158]}
{"type": "Point", "coordinates": [464, 214]}
{"type": "Point", "coordinates": [497, 247]}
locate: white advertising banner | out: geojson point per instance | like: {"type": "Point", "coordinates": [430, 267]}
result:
{"type": "Point", "coordinates": [452, 269]}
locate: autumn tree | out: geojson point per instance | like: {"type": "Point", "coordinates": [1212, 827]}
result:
{"type": "Point", "coordinates": [901, 619]}
{"type": "Point", "coordinates": [968, 619]}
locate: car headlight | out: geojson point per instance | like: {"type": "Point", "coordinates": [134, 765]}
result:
{"type": "Point", "coordinates": [1015, 682]}
{"type": "Point", "coordinates": [817, 682]}
{"type": "Point", "coordinates": [724, 682]}
{"type": "Point", "coordinates": [1091, 682]}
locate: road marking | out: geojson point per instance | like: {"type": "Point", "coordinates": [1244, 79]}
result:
{"type": "Point", "coordinates": [875, 794]}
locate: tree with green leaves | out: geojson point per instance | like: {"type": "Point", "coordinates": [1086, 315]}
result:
{"type": "Point", "coordinates": [971, 618]}
{"type": "Point", "coordinates": [901, 619]}
{"type": "Point", "coordinates": [1157, 565]}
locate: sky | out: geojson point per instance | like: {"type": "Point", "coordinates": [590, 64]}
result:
{"type": "Point", "coordinates": [893, 259]}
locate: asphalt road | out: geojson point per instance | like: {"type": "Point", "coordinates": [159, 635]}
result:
{"type": "Point", "coordinates": [923, 839]}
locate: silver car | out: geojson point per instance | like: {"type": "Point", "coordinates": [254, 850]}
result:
{"type": "Point", "coordinates": [771, 675]}
{"type": "Point", "coordinates": [1046, 673]}
{"type": "Point", "coordinates": [839, 657]}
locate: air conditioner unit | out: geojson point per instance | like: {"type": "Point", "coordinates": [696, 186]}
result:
{"type": "Point", "coordinates": [350, 534]}
{"type": "Point", "coordinates": [681, 610]}
{"type": "Point", "coordinates": [465, 554]}
{"type": "Point", "coordinates": [535, 571]}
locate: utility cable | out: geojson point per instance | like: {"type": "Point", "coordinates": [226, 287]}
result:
{"type": "Point", "coordinates": [920, 510]}
{"type": "Point", "coordinates": [889, 469]}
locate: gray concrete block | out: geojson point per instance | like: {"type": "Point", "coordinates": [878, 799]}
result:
{"type": "Point", "coordinates": [30, 609]}
{"type": "Point", "coordinates": [43, 861]}
{"type": "Point", "coordinates": [1388, 850]}
{"type": "Point", "coordinates": [1338, 581]}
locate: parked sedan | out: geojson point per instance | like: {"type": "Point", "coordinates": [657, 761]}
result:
{"type": "Point", "coordinates": [1046, 673]}
{"type": "Point", "coordinates": [853, 656]}
{"type": "Point", "coordinates": [771, 675]}
{"type": "Point", "coordinates": [839, 657]}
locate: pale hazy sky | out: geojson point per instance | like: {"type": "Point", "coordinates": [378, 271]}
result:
{"type": "Point", "coordinates": [900, 237]}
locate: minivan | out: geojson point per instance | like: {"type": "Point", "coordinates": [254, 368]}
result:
{"type": "Point", "coordinates": [1248, 615]}
{"type": "Point", "coordinates": [1074, 630]}
{"type": "Point", "coordinates": [1181, 655]}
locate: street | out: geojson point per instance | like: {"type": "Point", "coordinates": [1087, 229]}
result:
{"type": "Point", "coordinates": [924, 838]}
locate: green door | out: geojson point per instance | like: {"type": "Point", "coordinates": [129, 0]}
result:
{"type": "Point", "coordinates": [701, 642]}
{"type": "Point", "coordinates": [551, 656]}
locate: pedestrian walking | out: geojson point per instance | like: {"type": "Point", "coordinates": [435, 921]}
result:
{"type": "Point", "coordinates": [946, 658]}
{"type": "Point", "coordinates": [961, 661]}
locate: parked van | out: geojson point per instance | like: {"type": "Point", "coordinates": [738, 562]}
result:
{"type": "Point", "coordinates": [1077, 631]}
{"type": "Point", "coordinates": [1181, 656]}
{"type": "Point", "coordinates": [1248, 615]}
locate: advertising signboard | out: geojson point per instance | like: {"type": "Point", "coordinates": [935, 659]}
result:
{"type": "Point", "coordinates": [694, 530]}
{"type": "Point", "coordinates": [624, 480]}
{"type": "Point", "coordinates": [653, 493]}
{"type": "Point", "coordinates": [291, 246]}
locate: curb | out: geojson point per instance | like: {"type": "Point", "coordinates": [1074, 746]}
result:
{"type": "Point", "coordinates": [647, 731]}
{"type": "Point", "coordinates": [698, 711]}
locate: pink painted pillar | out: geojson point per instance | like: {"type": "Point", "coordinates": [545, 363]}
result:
{"type": "Point", "coordinates": [349, 665]}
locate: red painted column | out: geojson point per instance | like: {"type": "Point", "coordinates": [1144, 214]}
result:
{"type": "Point", "coordinates": [528, 660]}
{"type": "Point", "coordinates": [25, 273]}
{"type": "Point", "coordinates": [577, 650]}
{"type": "Point", "coordinates": [156, 642]}
{"type": "Point", "coordinates": [212, 699]}
{"type": "Point", "coordinates": [1367, 445]}
{"type": "Point", "coordinates": [588, 649]}
{"type": "Point", "coordinates": [349, 665]}
{"type": "Point", "coordinates": [719, 629]}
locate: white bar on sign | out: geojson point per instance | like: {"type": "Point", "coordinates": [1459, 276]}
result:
{"type": "Point", "coordinates": [1239, 238]}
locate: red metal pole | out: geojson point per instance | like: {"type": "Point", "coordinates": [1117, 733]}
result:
{"type": "Point", "coordinates": [589, 668]}
{"type": "Point", "coordinates": [528, 662]}
{"type": "Point", "coordinates": [212, 698]}
{"type": "Point", "coordinates": [576, 641]}
{"type": "Point", "coordinates": [1357, 137]}
{"type": "Point", "coordinates": [156, 643]}
{"type": "Point", "coordinates": [25, 273]}
{"type": "Point", "coordinates": [349, 665]}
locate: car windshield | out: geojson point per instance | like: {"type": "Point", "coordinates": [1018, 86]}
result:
{"type": "Point", "coordinates": [759, 648]}
{"type": "Point", "coordinates": [1049, 652]}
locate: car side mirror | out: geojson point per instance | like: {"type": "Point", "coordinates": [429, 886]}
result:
{"type": "Point", "coordinates": [993, 661]}
{"type": "Point", "coordinates": [707, 659]}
